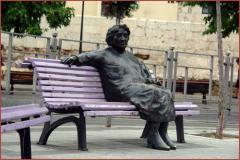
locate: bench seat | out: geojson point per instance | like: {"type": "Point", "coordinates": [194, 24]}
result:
{"type": "Point", "coordinates": [134, 113]}
{"type": "Point", "coordinates": [20, 118]}
{"type": "Point", "coordinates": [78, 89]}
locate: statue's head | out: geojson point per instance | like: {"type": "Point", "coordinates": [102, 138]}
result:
{"type": "Point", "coordinates": [118, 36]}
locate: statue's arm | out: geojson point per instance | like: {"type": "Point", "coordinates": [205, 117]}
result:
{"type": "Point", "coordinates": [146, 74]}
{"type": "Point", "coordinates": [87, 58]}
{"type": "Point", "coordinates": [144, 70]}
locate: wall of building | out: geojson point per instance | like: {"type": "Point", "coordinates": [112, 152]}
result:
{"type": "Point", "coordinates": [161, 10]}
{"type": "Point", "coordinates": [91, 8]}
{"type": "Point", "coordinates": [156, 10]}
{"type": "Point", "coordinates": [184, 33]}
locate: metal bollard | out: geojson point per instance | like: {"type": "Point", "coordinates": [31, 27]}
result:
{"type": "Point", "coordinates": [165, 68]}
{"type": "Point", "coordinates": [9, 62]}
{"type": "Point", "coordinates": [185, 83]}
{"type": "Point", "coordinates": [59, 48]}
{"type": "Point", "coordinates": [131, 49]}
{"type": "Point", "coordinates": [226, 74]}
{"type": "Point", "coordinates": [231, 84]}
{"type": "Point", "coordinates": [109, 121]}
{"type": "Point", "coordinates": [210, 78]}
{"type": "Point", "coordinates": [97, 46]}
{"type": "Point", "coordinates": [174, 74]}
{"type": "Point", "coordinates": [47, 48]}
{"type": "Point", "coordinates": [34, 89]}
{"type": "Point", "coordinates": [226, 78]}
{"type": "Point", "coordinates": [53, 46]}
{"type": "Point", "coordinates": [170, 68]}
{"type": "Point", "coordinates": [155, 71]}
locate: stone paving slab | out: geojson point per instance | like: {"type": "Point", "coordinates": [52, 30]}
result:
{"type": "Point", "coordinates": [122, 140]}
{"type": "Point", "coordinates": [117, 142]}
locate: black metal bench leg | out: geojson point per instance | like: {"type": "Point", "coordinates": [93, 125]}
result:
{"type": "Point", "coordinates": [82, 138]}
{"type": "Point", "coordinates": [48, 128]}
{"type": "Point", "coordinates": [204, 100]}
{"type": "Point", "coordinates": [180, 129]}
{"type": "Point", "coordinates": [25, 143]}
{"type": "Point", "coordinates": [11, 88]}
{"type": "Point", "coordinates": [43, 138]}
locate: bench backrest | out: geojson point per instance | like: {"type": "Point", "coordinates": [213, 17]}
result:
{"type": "Point", "coordinates": [21, 76]}
{"type": "Point", "coordinates": [59, 83]}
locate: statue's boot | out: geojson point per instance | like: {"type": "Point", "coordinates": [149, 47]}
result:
{"type": "Point", "coordinates": [154, 140]}
{"type": "Point", "coordinates": [164, 135]}
{"type": "Point", "coordinates": [146, 130]}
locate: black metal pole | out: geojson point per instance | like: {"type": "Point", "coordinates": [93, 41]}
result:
{"type": "Point", "coordinates": [81, 29]}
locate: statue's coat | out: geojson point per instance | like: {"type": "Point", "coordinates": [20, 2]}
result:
{"type": "Point", "coordinates": [125, 78]}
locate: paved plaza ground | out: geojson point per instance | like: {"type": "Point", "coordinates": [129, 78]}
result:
{"type": "Point", "coordinates": [122, 139]}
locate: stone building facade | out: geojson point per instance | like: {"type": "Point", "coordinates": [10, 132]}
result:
{"type": "Point", "coordinates": [183, 30]}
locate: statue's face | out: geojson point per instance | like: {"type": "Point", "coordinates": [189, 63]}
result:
{"type": "Point", "coordinates": [120, 39]}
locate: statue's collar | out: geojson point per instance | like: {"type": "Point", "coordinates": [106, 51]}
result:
{"type": "Point", "coordinates": [117, 51]}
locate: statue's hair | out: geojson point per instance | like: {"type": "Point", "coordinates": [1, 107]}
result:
{"type": "Point", "coordinates": [113, 30]}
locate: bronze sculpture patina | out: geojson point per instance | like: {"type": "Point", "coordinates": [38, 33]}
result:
{"type": "Point", "coordinates": [125, 78]}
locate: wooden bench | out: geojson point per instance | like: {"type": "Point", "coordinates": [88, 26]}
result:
{"type": "Point", "coordinates": [20, 118]}
{"type": "Point", "coordinates": [21, 77]}
{"type": "Point", "coordinates": [79, 90]}
{"type": "Point", "coordinates": [194, 86]}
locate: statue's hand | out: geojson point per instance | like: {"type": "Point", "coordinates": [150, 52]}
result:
{"type": "Point", "coordinates": [159, 83]}
{"type": "Point", "coordinates": [72, 60]}
{"type": "Point", "coordinates": [149, 81]}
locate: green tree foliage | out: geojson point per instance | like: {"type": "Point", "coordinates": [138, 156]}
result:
{"type": "Point", "coordinates": [25, 17]}
{"type": "Point", "coordinates": [229, 11]}
{"type": "Point", "coordinates": [119, 9]}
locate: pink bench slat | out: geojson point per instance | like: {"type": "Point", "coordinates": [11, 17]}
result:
{"type": "Point", "coordinates": [33, 59]}
{"type": "Point", "coordinates": [111, 113]}
{"type": "Point", "coordinates": [73, 95]}
{"type": "Point", "coordinates": [132, 113]}
{"type": "Point", "coordinates": [69, 84]}
{"type": "Point", "coordinates": [72, 100]}
{"type": "Point", "coordinates": [66, 72]}
{"type": "Point", "coordinates": [185, 106]}
{"type": "Point", "coordinates": [55, 64]}
{"type": "Point", "coordinates": [75, 104]}
{"type": "Point", "coordinates": [5, 109]}
{"type": "Point", "coordinates": [188, 112]}
{"type": "Point", "coordinates": [106, 106]}
{"type": "Point", "coordinates": [63, 105]}
{"type": "Point", "coordinates": [71, 89]}
{"type": "Point", "coordinates": [67, 77]}
{"type": "Point", "coordinates": [24, 124]}
{"type": "Point", "coordinates": [18, 113]}
{"type": "Point", "coordinates": [97, 103]}
{"type": "Point", "coordinates": [180, 103]}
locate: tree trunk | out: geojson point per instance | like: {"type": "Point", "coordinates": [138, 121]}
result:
{"type": "Point", "coordinates": [117, 20]}
{"type": "Point", "coordinates": [118, 15]}
{"type": "Point", "coordinates": [221, 103]}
